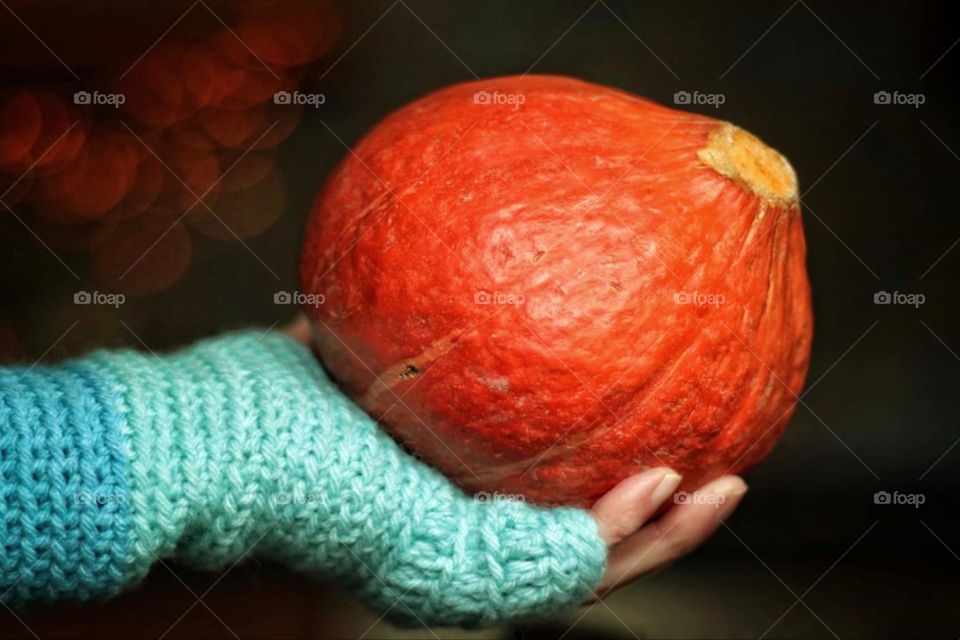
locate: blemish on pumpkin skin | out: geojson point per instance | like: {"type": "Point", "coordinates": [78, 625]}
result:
{"type": "Point", "coordinates": [409, 372]}
{"type": "Point", "coordinates": [407, 369]}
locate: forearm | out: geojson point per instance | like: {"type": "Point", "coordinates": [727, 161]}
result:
{"type": "Point", "coordinates": [243, 441]}
{"type": "Point", "coordinates": [112, 461]}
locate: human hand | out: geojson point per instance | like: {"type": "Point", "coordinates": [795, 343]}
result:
{"type": "Point", "coordinates": [639, 542]}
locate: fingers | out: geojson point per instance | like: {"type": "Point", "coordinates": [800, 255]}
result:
{"type": "Point", "coordinates": [626, 507]}
{"type": "Point", "coordinates": [678, 532]}
{"type": "Point", "coordinates": [299, 329]}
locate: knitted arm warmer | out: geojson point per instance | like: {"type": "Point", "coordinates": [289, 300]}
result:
{"type": "Point", "coordinates": [111, 462]}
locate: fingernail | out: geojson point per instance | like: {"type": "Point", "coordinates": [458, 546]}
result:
{"type": "Point", "coordinates": [668, 484]}
{"type": "Point", "coordinates": [732, 500]}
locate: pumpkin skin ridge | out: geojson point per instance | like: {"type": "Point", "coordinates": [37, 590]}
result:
{"type": "Point", "coordinates": [430, 399]}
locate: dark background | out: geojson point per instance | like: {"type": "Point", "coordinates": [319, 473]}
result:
{"type": "Point", "coordinates": [881, 210]}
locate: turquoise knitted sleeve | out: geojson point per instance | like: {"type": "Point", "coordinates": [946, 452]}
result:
{"type": "Point", "coordinates": [242, 445]}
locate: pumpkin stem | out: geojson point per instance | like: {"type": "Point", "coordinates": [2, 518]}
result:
{"type": "Point", "coordinates": [742, 157]}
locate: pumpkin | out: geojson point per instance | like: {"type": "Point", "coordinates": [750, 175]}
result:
{"type": "Point", "coordinates": [541, 286]}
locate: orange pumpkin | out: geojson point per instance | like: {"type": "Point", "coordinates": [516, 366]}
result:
{"type": "Point", "coordinates": [542, 286]}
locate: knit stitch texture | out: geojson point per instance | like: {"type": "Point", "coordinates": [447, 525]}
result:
{"type": "Point", "coordinates": [64, 512]}
{"type": "Point", "coordinates": [241, 444]}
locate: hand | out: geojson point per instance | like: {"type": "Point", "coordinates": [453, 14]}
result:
{"type": "Point", "coordinates": [637, 542]}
